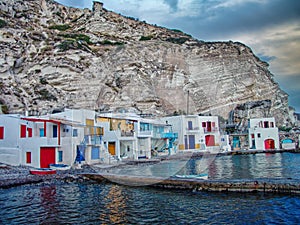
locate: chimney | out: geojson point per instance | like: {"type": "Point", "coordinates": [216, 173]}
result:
{"type": "Point", "coordinates": [97, 7]}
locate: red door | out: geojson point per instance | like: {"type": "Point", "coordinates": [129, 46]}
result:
{"type": "Point", "coordinates": [47, 156]}
{"type": "Point", "coordinates": [210, 140]}
{"type": "Point", "coordinates": [269, 144]}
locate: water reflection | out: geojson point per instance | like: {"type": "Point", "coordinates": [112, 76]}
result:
{"type": "Point", "coordinates": [242, 166]}
{"type": "Point", "coordinates": [115, 207]}
{"type": "Point", "coordinates": [267, 166]}
{"type": "Point", "coordinates": [49, 202]}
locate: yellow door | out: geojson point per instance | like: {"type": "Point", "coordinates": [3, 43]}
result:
{"type": "Point", "coordinates": [112, 148]}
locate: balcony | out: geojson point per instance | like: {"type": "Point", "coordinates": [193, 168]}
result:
{"type": "Point", "coordinates": [192, 129]}
{"type": "Point", "coordinates": [127, 133]}
{"type": "Point", "coordinates": [169, 135]}
{"type": "Point", "coordinates": [211, 130]}
{"type": "Point", "coordinates": [146, 133]}
{"type": "Point", "coordinates": [92, 139]}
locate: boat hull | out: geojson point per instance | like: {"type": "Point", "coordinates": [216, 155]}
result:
{"type": "Point", "coordinates": [59, 167]}
{"type": "Point", "coordinates": [200, 176]}
{"type": "Point", "coordinates": [42, 171]}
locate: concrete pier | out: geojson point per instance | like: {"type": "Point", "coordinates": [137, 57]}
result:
{"type": "Point", "coordinates": [259, 185]}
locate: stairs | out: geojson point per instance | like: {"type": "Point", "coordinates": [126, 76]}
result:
{"type": "Point", "coordinates": [106, 157]}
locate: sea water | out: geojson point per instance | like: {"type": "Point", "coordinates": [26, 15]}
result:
{"type": "Point", "coordinates": [93, 203]}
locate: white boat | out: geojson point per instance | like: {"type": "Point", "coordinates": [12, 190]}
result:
{"type": "Point", "coordinates": [203, 176]}
{"type": "Point", "coordinates": [59, 166]}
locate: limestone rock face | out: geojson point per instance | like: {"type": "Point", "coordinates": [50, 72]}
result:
{"type": "Point", "coordinates": [54, 56]}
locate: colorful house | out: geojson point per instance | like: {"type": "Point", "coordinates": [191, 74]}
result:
{"type": "Point", "coordinates": [120, 137]}
{"type": "Point", "coordinates": [196, 132]}
{"type": "Point", "coordinates": [130, 136]}
{"type": "Point", "coordinates": [61, 138]}
{"type": "Point", "coordinates": [263, 134]}
{"type": "Point", "coordinates": [29, 141]}
{"type": "Point", "coordinates": [81, 137]}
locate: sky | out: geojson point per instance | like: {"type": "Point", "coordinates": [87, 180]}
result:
{"type": "Point", "coordinates": [271, 28]}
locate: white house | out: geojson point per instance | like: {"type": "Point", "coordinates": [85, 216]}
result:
{"type": "Point", "coordinates": [197, 132]}
{"type": "Point", "coordinates": [263, 134]}
{"type": "Point", "coordinates": [29, 141]}
{"type": "Point", "coordinates": [64, 138]}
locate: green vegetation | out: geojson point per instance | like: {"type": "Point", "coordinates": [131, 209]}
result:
{"type": "Point", "coordinates": [286, 129]}
{"type": "Point", "coordinates": [146, 38]}
{"type": "Point", "coordinates": [4, 109]}
{"type": "Point", "coordinates": [176, 30]}
{"type": "Point", "coordinates": [77, 37]}
{"type": "Point", "coordinates": [60, 27]}
{"type": "Point", "coordinates": [2, 23]}
{"type": "Point", "coordinates": [43, 81]}
{"type": "Point", "coordinates": [46, 95]}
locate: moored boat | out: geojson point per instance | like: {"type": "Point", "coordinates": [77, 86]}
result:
{"type": "Point", "coordinates": [42, 171]}
{"type": "Point", "coordinates": [203, 176]}
{"type": "Point", "coordinates": [59, 166]}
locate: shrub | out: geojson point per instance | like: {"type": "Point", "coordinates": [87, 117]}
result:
{"type": "Point", "coordinates": [107, 42]}
{"type": "Point", "coordinates": [60, 27]}
{"type": "Point", "coordinates": [2, 23]}
{"type": "Point", "coordinates": [179, 40]}
{"type": "Point", "coordinates": [146, 38]}
{"type": "Point", "coordinates": [77, 37]}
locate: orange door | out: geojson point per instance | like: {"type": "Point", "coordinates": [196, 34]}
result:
{"type": "Point", "coordinates": [47, 156]}
{"type": "Point", "coordinates": [112, 148]}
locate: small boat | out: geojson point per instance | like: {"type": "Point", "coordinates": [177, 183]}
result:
{"type": "Point", "coordinates": [42, 171]}
{"type": "Point", "coordinates": [203, 176]}
{"type": "Point", "coordinates": [59, 166]}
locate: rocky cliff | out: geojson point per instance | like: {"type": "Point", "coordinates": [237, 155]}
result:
{"type": "Point", "coordinates": [54, 56]}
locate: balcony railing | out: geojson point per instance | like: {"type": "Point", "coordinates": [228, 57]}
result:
{"type": "Point", "coordinates": [169, 135]}
{"type": "Point", "coordinates": [127, 133]}
{"type": "Point", "coordinates": [146, 132]}
{"type": "Point", "coordinates": [192, 128]}
{"type": "Point", "coordinates": [209, 130]}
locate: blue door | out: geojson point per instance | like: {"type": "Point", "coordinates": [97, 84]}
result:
{"type": "Point", "coordinates": [191, 141]}
{"type": "Point", "coordinates": [95, 153]}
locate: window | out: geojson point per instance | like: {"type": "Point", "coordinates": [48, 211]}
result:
{"type": "Point", "coordinates": [23, 131]}
{"type": "Point", "coordinates": [29, 131]}
{"type": "Point", "coordinates": [258, 135]}
{"type": "Point", "coordinates": [1, 132]}
{"type": "Point", "coordinates": [271, 124]}
{"type": "Point", "coordinates": [54, 130]}
{"type": "Point", "coordinates": [42, 132]}
{"type": "Point", "coordinates": [266, 124]}
{"type": "Point", "coordinates": [190, 125]}
{"type": "Point", "coordinates": [75, 133]}
{"type": "Point", "coordinates": [28, 157]}
{"type": "Point", "coordinates": [203, 124]}
{"type": "Point", "coordinates": [252, 135]}
{"type": "Point", "coordinates": [60, 156]}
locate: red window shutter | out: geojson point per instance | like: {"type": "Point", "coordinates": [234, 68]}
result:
{"type": "Point", "coordinates": [1, 132]}
{"type": "Point", "coordinates": [252, 135]}
{"type": "Point", "coordinates": [28, 157]}
{"type": "Point", "coordinates": [203, 124]}
{"type": "Point", "coordinates": [29, 130]}
{"type": "Point", "coordinates": [23, 131]}
{"type": "Point", "coordinates": [213, 124]}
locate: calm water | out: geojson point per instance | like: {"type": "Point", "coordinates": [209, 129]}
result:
{"type": "Point", "coordinates": [90, 203]}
